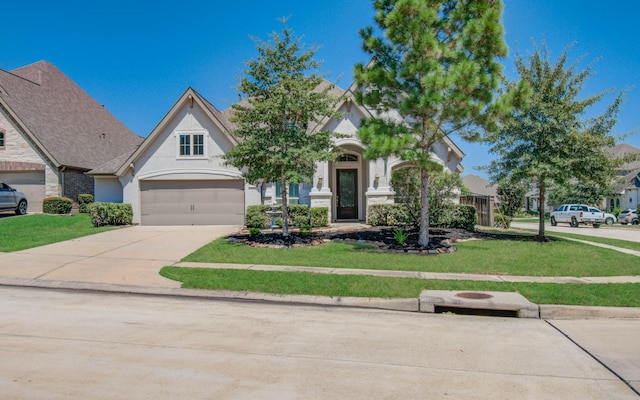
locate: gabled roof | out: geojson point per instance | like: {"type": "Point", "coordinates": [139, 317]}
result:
{"type": "Point", "coordinates": [621, 150]}
{"type": "Point", "coordinates": [191, 98]}
{"type": "Point", "coordinates": [67, 125]}
{"type": "Point", "coordinates": [480, 185]}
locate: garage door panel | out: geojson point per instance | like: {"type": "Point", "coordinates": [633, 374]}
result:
{"type": "Point", "coordinates": [31, 183]}
{"type": "Point", "coordinates": [192, 202]}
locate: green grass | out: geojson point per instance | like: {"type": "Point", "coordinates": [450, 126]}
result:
{"type": "Point", "coordinates": [625, 244]}
{"type": "Point", "coordinates": [618, 295]}
{"type": "Point", "coordinates": [555, 258]}
{"type": "Point", "coordinates": [29, 231]}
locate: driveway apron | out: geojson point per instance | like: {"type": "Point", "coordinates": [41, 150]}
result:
{"type": "Point", "coordinates": [130, 256]}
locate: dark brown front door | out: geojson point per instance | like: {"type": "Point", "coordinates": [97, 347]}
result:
{"type": "Point", "coordinates": [347, 194]}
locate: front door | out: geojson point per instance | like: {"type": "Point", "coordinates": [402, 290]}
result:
{"type": "Point", "coordinates": [347, 194]}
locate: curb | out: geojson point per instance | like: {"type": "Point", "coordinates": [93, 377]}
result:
{"type": "Point", "coordinates": [398, 304]}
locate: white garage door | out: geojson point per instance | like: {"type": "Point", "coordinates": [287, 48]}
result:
{"type": "Point", "coordinates": [192, 202]}
{"type": "Point", "coordinates": [31, 183]}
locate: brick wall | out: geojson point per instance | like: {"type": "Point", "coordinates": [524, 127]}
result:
{"type": "Point", "coordinates": [75, 183]}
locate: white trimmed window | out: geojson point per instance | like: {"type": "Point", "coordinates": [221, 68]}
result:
{"type": "Point", "coordinates": [191, 144]}
{"type": "Point", "coordinates": [2, 138]}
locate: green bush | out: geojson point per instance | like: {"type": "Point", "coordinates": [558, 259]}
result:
{"type": "Point", "coordinates": [110, 214]}
{"type": "Point", "coordinates": [448, 216]}
{"type": "Point", "coordinates": [502, 221]}
{"type": "Point", "coordinates": [390, 215]}
{"type": "Point", "coordinates": [256, 216]}
{"type": "Point", "coordinates": [301, 220]}
{"type": "Point", "coordinates": [255, 232]}
{"type": "Point", "coordinates": [83, 201]}
{"type": "Point", "coordinates": [57, 205]}
{"type": "Point", "coordinates": [319, 216]}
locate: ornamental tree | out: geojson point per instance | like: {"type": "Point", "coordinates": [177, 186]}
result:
{"type": "Point", "coordinates": [286, 98]}
{"type": "Point", "coordinates": [434, 71]}
{"type": "Point", "coordinates": [548, 139]}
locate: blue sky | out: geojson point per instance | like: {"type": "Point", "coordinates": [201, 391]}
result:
{"type": "Point", "coordinates": [138, 57]}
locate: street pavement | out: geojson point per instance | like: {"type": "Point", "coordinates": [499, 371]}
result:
{"type": "Point", "coordinates": [84, 345]}
{"type": "Point", "coordinates": [416, 355]}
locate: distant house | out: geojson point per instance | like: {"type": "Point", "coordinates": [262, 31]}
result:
{"type": "Point", "coordinates": [52, 132]}
{"type": "Point", "coordinates": [627, 189]}
{"type": "Point", "coordinates": [484, 197]}
{"type": "Point", "coordinates": [481, 186]}
{"type": "Point", "coordinates": [178, 175]}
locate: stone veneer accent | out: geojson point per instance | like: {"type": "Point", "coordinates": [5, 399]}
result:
{"type": "Point", "coordinates": [18, 151]}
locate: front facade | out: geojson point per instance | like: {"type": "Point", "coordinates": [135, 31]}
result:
{"type": "Point", "coordinates": [178, 175]}
{"type": "Point", "coordinates": [52, 132]}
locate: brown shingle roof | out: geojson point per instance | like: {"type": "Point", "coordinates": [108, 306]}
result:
{"type": "Point", "coordinates": [479, 185]}
{"type": "Point", "coordinates": [71, 126]}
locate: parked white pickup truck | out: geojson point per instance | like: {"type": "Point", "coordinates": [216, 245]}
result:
{"type": "Point", "coordinates": [576, 214]}
{"type": "Point", "coordinates": [12, 200]}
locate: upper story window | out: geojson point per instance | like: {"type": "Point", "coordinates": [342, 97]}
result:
{"type": "Point", "coordinates": [191, 144]}
{"type": "Point", "coordinates": [2, 140]}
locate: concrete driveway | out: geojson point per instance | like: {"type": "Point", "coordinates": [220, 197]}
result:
{"type": "Point", "coordinates": [129, 256]}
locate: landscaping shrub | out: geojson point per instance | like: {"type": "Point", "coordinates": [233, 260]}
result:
{"type": "Point", "coordinates": [110, 214]}
{"type": "Point", "coordinates": [299, 214]}
{"type": "Point", "coordinates": [256, 217]}
{"type": "Point", "coordinates": [83, 201]}
{"type": "Point", "coordinates": [448, 216]}
{"type": "Point", "coordinates": [57, 205]}
{"type": "Point", "coordinates": [391, 215]}
{"type": "Point", "coordinates": [319, 216]}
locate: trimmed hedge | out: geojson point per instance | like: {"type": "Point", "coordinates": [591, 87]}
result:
{"type": "Point", "coordinates": [57, 205]}
{"type": "Point", "coordinates": [110, 214]}
{"type": "Point", "coordinates": [299, 215]}
{"type": "Point", "coordinates": [453, 216]}
{"type": "Point", "coordinates": [83, 201]}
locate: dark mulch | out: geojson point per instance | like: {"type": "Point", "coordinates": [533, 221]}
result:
{"type": "Point", "coordinates": [440, 240]}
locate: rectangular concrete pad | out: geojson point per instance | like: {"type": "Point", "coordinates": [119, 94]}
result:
{"type": "Point", "coordinates": [495, 301]}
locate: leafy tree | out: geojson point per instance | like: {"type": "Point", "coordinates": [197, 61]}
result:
{"type": "Point", "coordinates": [285, 97]}
{"type": "Point", "coordinates": [511, 196]}
{"type": "Point", "coordinates": [442, 190]}
{"type": "Point", "coordinates": [434, 71]}
{"type": "Point", "coordinates": [547, 139]}
{"type": "Point", "coordinates": [590, 193]}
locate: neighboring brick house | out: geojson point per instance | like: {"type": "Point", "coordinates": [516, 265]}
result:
{"type": "Point", "coordinates": [52, 132]}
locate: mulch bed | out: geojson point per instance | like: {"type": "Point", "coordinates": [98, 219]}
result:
{"type": "Point", "coordinates": [441, 241]}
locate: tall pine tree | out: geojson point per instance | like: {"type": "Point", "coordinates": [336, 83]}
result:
{"type": "Point", "coordinates": [435, 63]}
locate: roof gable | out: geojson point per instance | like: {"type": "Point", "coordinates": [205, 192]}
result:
{"type": "Point", "coordinates": [66, 123]}
{"type": "Point", "coordinates": [189, 98]}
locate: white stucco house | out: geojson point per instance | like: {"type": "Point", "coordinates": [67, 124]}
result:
{"type": "Point", "coordinates": [178, 176]}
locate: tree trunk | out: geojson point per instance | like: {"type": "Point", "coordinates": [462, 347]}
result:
{"type": "Point", "coordinates": [541, 237]}
{"type": "Point", "coordinates": [284, 192]}
{"type": "Point", "coordinates": [423, 238]}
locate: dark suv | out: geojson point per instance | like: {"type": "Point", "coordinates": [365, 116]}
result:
{"type": "Point", "coordinates": [628, 216]}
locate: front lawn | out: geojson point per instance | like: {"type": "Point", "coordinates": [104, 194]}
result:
{"type": "Point", "coordinates": [612, 295]}
{"type": "Point", "coordinates": [558, 257]}
{"type": "Point", "coordinates": [25, 232]}
{"type": "Point", "coordinates": [511, 257]}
